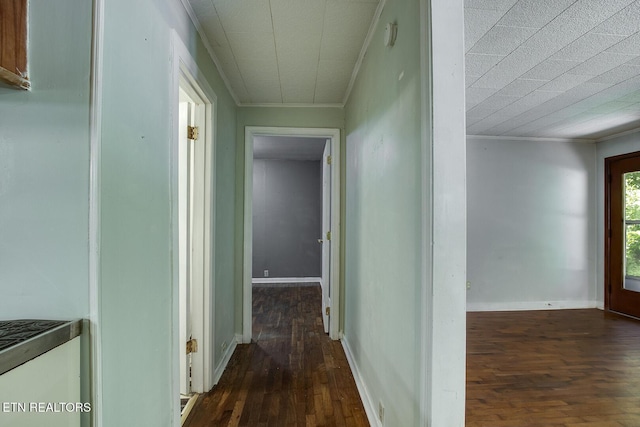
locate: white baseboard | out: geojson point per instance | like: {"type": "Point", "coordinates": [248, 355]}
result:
{"type": "Point", "coordinates": [285, 279]}
{"type": "Point", "coordinates": [240, 339]}
{"type": "Point", "coordinates": [225, 360]}
{"type": "Point", "coordinates": [367, 401]}
{"type": "Point", "coordinates": [529, 305]}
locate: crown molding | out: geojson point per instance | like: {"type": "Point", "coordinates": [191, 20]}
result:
{"type": "Point", "coordinates": [527, 138]}
{"type": "Point", "coordinates": [291, 105]}
{"type": "Point", "coordinates": [619, 134]}
{"type": "Point", "coordinates": [207, 45]}
{"type": "Point", "coordinates": [363, 51]}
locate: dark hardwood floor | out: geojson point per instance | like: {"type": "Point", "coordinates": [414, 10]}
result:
{"type": "Point", "coordinates": [292, 374]}
{"type": "Point", "coordinates": [565, 368]}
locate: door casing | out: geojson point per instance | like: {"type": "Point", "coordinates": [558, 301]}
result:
{"type": "Point", "coordinates": [186, 74]}
{"type": "Point", "coordinates": [608, 237]}
{"type": "Point", "coordinates": [334, 136]}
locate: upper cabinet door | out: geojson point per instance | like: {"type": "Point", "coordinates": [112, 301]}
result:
{"type": "Point", "coordinates": [13, 43]}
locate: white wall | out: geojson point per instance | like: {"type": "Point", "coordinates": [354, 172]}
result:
{"type": "Point", "coordinates": [609, 148]}
{"type": "Point", "coordinates": [531, 224]}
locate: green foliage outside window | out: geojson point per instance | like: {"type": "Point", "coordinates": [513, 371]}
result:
{"type": "Point", "coordinates": [632, 212]}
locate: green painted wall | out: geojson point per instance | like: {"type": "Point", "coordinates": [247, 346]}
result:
{"type": "Point", "coordinates": [44, 169]}
{"type": "Point", "coordinates": [383, 225]}
{"type": "Point", "coordinates": [135, 260]}
{"type": "Point", "coordinates": [44, 174]}
{"type": "Point", "coordinates": [297, 117]}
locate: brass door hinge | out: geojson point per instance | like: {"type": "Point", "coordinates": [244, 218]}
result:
{"type": "Point", "coordinates": [328, 310]}
{"type": "Point", "coordinates": [192, 346]}
{"type": "Point", "coordinates": [329, 160]}
{"type": "Point", "coordinates": [328, 235]}
{"type": "Point", "coordinates": [192, 132]}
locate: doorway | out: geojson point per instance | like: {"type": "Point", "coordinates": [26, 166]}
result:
{"type": "Point", "coordinates": [326, 238]}
{"type": "Point", "coordinates": [193, 241]}
{"type": "Point", "coordinates": [622, 247]}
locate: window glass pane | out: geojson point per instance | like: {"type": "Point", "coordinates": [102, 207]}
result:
{"type": "Point", "coordinates": [632, 246]}
{"type": "Point", "coordinates": [632, 196]}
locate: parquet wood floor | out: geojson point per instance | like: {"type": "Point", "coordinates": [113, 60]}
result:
{"type": "Point", "coordinates": [565, 368]}
{"type": "Point", "coordinates": [291, 374]}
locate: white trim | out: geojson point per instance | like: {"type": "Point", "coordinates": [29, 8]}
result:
{"type": "Point", "coordinates": [530, 305]}
{"type": "Point", "coordinates": [445, 301]}
{"type": "Point", "coordinates": [286, 279]}
{"type": "Point", "coordinates": [526, 138]}
{"type": "Point", "coordinates": [365, 396]}
{"type": "Point", "coordinates": [426, 276]}
{"type": "Point", "coordinates": [217, 373]}
{"type": "Point", "coordinates": [184, 66]}
{"type": "Point", "coordinates": [619, 134]}
{"type": "Point", "coordinates": [95, 336]}
{"type": "Point", "coordinates": [334, 135]}
{"type": "Point", "coordinates": [238, 338]}
{"type": "Point", "coordinates": [207, 45]}
{"type": "Point", "coordinates": [363, 51]}
{"type": "Point", "coordinates": [291, 105]}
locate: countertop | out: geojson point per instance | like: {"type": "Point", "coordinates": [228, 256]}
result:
{"type": "Point", "coordinates": [24, 339]}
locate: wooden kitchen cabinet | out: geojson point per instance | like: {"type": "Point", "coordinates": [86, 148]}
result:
{"type": "Point", "coordinates": [13, 43]}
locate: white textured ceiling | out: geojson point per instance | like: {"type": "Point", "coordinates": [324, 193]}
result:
{"type": "Point", "coordinates": [286, 51]}
{"type": "Point", "coordinates": [552, 68]}
{"type": "Point", "coordinates": [288, 148]}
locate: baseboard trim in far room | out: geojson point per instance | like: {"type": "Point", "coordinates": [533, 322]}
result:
{"type": "Point", "coordinates": [530, 305]}
{"type": "Point", "coordinates": [285, 279]}
{"type": "Point", "coordinates": [367, 401]}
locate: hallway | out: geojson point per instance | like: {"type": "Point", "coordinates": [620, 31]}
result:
{"type": "Point", "coordinates": [290, 374]}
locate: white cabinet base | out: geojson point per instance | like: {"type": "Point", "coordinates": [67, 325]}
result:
{"type": "Point", "coordinates": [52, 378]}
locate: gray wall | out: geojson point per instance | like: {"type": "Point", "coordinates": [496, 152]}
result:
{"type": "Point", "coordinates": [531, 224]}
{"type": "Point", "coordinates": [287, 218]}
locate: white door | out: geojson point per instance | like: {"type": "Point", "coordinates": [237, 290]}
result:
{"type": "Point", "coordinates": [185, 220]}
{"type": "Point", "coordinates": [326, 229]}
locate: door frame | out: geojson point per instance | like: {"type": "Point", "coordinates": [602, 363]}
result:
{"type": "Point", "coordinates": [607, 223]}
{"type": "Point", "coordinates": [247, 299]}
{"type": "Point", "coordinates": [184, 71]}
{"type": "Point", "coordinates": [326, 226]}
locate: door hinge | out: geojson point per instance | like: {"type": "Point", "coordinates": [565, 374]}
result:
{"type": "Point", "coordinates": [192, 132]}
{"type": "Point", "coordinates": [329, 160]}
{"type": "Point", "coordinates": [327, 311]}
{"type": "Point", "coordinates": [328, 235]}
{"type": "Point", "coordinates": [192, 346]}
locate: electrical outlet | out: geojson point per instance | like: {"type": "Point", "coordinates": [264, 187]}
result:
{"type": "Point", "coordinates": [266, 273]}
{"type": "Point", "coordinates": [468, 285]}
{"type": "Point", "coordinates": [381, 412]}
{"type": "Point", "coordinates": [224, 345]}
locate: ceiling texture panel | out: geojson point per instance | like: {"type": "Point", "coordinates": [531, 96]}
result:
{"type": "Point", "coordinates": [534, 68]}
{"type": "Point", "coordinates": [286, 52]}
{"type": "Point", "coordinates": [552, 68]}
